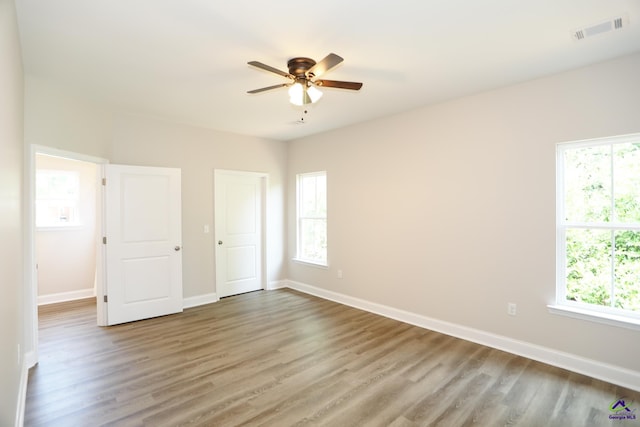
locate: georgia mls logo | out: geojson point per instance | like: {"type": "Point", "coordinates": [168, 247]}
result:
{"type": "Point", "coordinates": [620, 410]}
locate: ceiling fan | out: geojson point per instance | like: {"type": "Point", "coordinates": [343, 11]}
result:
{"type": "Point", "coordinates": [303, 78]}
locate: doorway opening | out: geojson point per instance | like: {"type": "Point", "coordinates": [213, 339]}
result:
{"type": "Point", "coordinates": [65, 223]}
{"type": "Point", "coordinates": [66, 228]}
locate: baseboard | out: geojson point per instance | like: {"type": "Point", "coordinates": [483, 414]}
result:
{"type": "Point", "coordinates": [213, 297]}
{"type": "Point", "coordinates": [30, 359]}
{"type": "Point", "coordinates": [602, 371]}
{"type": "Point", "coordinates": [278, 284]}
{"type": "Point", "coordinates": [22, 392]}
{"type": "Point", "coordinates": [200, 300]}
{"type": "Point", "coordinates": [66, 296]}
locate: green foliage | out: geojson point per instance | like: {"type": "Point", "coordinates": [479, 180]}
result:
{"type": "Point", "coordinates": [588, 259]}
{"type": "Point", "coordinates": [603, 264]}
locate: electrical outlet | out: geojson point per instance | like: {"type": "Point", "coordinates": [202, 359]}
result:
{"type": "Point", "coordinates": [511, 309]}
{"type": "Point", "coordinates": [339, 273]}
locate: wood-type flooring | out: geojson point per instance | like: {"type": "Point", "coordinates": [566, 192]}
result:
{"type": "Point", "coordinates": [283, 358]}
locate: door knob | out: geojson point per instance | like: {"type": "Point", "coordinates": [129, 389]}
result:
{"type": "Point", "coordinates": [219, 242]}
{"type": "Point", "coordinates": [177, 248]}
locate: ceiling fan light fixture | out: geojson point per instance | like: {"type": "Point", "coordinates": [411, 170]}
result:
{"type": "Point", "coordinates": [300, 94]}
{"type": "Point", "coordinates": [314, 93]}
{"type": "Point", "coordinates": [296, 94]}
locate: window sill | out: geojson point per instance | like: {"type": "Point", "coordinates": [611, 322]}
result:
{"type": "Point", "coordinates": [310, 263]}
{"type": "Point", "coordinates": [594, 316]}
{"type": "Point", "coordinates": [74, 227]}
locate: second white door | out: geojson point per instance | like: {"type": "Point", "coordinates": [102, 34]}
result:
{"type": "Point", "coordinates": [239, 206]}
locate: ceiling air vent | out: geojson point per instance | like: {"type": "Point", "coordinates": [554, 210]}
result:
{"type": "Point", "coordinates": [617, 23]}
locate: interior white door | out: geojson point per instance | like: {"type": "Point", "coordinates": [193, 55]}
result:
{"type": "Point", "coordinates": [143, 247]}
{"type": "Point", "coordinates": [238, 231]}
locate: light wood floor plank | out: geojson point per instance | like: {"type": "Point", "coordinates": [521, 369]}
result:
{"type": "Point", "coordinates": [283, 358]}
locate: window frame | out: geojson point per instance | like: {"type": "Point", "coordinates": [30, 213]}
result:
{"type": "Point", "coordinates": [299, 258]}
{"type": "Point", "coordinates": [576, 309]}
{"type": "Point", "coordinates": [72, 202]}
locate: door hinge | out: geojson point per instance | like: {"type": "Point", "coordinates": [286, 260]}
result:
{"type": "Point", "coordinates": [104, 181]}
{"type": "Point", "coordinates": [104, 240]}
{"type": "Point", "coordinates": [105, 299]}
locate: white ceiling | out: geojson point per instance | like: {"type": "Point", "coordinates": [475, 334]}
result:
{"type": "Point", "coordinates": [186, 60]}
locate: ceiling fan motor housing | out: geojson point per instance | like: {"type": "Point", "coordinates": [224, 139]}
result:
{"type": "Point", "coordinates": [299, 66]}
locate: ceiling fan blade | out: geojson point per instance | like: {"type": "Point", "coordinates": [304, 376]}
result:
{"type": "Point", "coordinates": [325, 65]}
{"type": "Point", "coordinates": [268, 88]}
{"type": "Point", "coordinates": [269, 68]}
{"type": "Point", "coordinates": [339, 84]}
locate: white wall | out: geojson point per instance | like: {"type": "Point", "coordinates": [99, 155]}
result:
{"type": "Point", "coordinates": [66, 257]}
{"type": "Point", "coordinates": [56, 118]}
{"type": "Point", "coordinates": [63, 120]}
{"type": "Point", "coordinates": [448, 211]}
{"type": "Point", "coordinates": [11, 256]}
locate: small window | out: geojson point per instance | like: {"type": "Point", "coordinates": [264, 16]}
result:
{"type": "Point", "coordinates": [57, 197]}
{"type": "Point", "coordinates": [312, 218]}
{"type": "Point", "coordinates": [598, 233]}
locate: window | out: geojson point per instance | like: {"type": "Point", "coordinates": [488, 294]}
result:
{"type": "Point", "coordinates": [57, 196]}
{"type": "Point", "coordinates": [598, 233]}
{"type": "Point", "coordinates": [312, 218]}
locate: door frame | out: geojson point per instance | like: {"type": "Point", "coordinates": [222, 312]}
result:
{"type": "Point", "coordinates": [30, 268]}
{"type": "Point", "coordinates": [264, 185]}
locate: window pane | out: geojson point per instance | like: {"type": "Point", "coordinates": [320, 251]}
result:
{"type": "Point", "coordinates": [57, 185]}
{"type": "Point", "coordinates": [312, 217]}
{"type": "Point", "coordinates": [308, 193]}
{"type": "Point", "coordinates": [627, 270]}
{"type": "Point", "coordinates": [314, 196]}
{"type": "Point", "coordinates": [588, 266]}
{"type": "Point", "coordinates": [313, 240]}
{"type": "Point", "coordinates": [57, 196]}
{"type": "Point", "coordinates": [587, 180]}
{"type": "Point", "coordinates": [50, 213]}
{"type": "Point", "coordinates": [626, 182]}
{"type": "Point", "coordinates": [321, 194]}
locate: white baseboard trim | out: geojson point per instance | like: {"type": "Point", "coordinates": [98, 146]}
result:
{"type": "Point", "coordinates": [602, 371]}
{"type": "Point", "coordinates": [200, 300]}
{"type": "Point", "coordinates": [213, 297]}
{"type": "Point", "coordinates": [30, 359]}
{"type": "Point", "coordinates": [278, 284]}
{"type": "Point", "coordinates": [22, 392]}
{"type": "Point", "coordinates": [66, 296]}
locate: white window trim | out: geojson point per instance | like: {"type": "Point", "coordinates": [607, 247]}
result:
{"type": "Point", "coordinates": [311, 263]}
{"type": "Point", "coordinates": [595, 316]}
{"type": "Point", "coordinates": [61, 227]}
{"type": "Point", "coordinates": [297, 258]}
{"type": "Point", "coordinates": [576, 310]}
